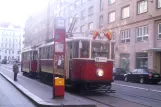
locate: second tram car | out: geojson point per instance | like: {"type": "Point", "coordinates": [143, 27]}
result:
{"type": "Point", "coordinates": [29, 62]}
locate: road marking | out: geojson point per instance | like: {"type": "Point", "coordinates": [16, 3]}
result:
{"type": "Point", "coordinates": [159, 91]}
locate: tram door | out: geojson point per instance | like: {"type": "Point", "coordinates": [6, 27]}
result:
{"type": "Point", "coordinates": [68, 60]}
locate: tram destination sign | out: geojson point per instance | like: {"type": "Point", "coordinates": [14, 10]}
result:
{"type": "Point", "coordinates": [59, 23]}
{"type": "Point", "coordinates": [100, 59]}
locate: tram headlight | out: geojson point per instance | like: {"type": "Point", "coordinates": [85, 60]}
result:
{"type": "Point", "coordinates": [100, 72]}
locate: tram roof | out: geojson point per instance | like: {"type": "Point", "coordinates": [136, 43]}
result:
{"type": "Point", "coordinates": [27, 49]}
{"type": "Point", "coordinates": [86, 38]}
{"type": "Point", "coordinates": [46, 44]}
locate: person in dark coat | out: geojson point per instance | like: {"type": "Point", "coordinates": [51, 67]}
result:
{"type": "Point", "coordinates": [15, 70]}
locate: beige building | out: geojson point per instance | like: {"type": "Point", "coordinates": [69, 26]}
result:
{"type": "Point", "coordinates": [135, 27]}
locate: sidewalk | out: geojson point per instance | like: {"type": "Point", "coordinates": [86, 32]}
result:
{"type": "Point", "coordinates": [41, 94]}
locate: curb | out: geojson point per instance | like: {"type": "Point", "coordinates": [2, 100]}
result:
{"type": "Point", "coordinates": [36, 100]}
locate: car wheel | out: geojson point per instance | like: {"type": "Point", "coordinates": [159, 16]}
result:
{"type": "Point", "coordinates": [142, 80]}
{"type": "Point", "coordinates": [126, 79]}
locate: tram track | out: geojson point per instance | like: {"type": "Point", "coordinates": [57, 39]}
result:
{"type": "Point", "coordinates": [115, 101]}
{"type": "Point", "coordinates": [139, 96]}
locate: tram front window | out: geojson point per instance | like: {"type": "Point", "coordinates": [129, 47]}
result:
{"type": "Point", "coordinates": [100, 49]}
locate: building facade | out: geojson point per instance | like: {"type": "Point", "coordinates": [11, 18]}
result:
{"type": "Point", "coordinates": [10, 42]}
{"type": "Point", "coordinates": [135, 27]}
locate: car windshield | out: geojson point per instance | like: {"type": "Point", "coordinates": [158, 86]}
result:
{"type": "Point", "coordinates": [120, 70]}
{"type": "Point", "coordinates": [99, 49]}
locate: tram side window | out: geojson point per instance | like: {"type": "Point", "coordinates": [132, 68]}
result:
{"type": "Point", "coordinates": [28, 56]}
{"type": "Point", "coordinates": [34, 55]}
{"type": "Point", "coordinates": [40, 53]}
{"type": "Point", "coordinates": [85, 49]}
{"type": "Point", "coordinates": [43, 54]}
{"type": "Point", "coordinates": [70, 46]}
{"type": "Point", "coordinates": [75, 49]}
{"type": "Point", "coordinates": [47, 52]}
{"type": "Point", "coordinates": [31, 55]}
{"type": "Point", "coordinates": [51, 52]}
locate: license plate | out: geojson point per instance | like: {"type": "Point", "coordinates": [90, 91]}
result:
{"type": "Point", "coordinates": [156, 75]}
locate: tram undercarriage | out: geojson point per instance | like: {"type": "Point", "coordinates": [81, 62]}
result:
{"type": "Point", "coordinates": [78, 86]}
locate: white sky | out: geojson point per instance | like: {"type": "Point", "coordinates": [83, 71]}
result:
{"type": "Point", "coordinates": [17, 11]}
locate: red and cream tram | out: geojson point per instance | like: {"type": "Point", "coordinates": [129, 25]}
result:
{"type": "Point", "coordinates": [29, 62]}
{"type": "Point", "coordinates": [88, 63]}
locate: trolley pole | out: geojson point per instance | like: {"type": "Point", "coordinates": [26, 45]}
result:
{"type": "Point", "coordinates": [59, 57]}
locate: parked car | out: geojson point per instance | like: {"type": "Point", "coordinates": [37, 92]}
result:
{"type": "Point", "coordinates": [4, 61]}
{"type": "Point", "coordinates": [119, 73]}
{"type": "Point", "coordinates": [143, 76]}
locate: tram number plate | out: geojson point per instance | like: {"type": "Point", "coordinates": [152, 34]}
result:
{"type": "Point", "coordinates": [100, 59]}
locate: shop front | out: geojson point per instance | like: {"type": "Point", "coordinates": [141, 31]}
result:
{"type": "Point", "coordinates": [124, 61]}
{"type": "Point", "coordinates": [154, 59]}
{"type": "Point", "coordinates": [142, 60]}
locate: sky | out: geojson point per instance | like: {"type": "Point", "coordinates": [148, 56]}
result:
{"type": "Point", "coordinates": [18, 11]}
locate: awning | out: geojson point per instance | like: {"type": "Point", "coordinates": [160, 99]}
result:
{"type": "Point", "coordinates": [152, 50]}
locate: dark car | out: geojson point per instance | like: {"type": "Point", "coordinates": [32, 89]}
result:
{"type": "Point", "coordinates": [119, 73]}
{"type": "Point", "coordinates": [143, 76]}
{"type": "Point", "coordinates": [4, 61]}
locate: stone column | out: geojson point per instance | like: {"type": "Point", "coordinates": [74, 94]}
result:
{"type": "Point", "coordinates": [151, 38]}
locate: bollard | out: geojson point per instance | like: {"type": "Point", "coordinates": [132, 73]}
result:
{"type": "Point", "coordinates": [59, 87]}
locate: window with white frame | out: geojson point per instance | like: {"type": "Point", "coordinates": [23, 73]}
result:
{"type": "Point", "coordinates": [125, 36]}
{"type": "Point", "coordinates": [90, 26]}
{"type": "Point", "coordinates": [101, 4]}
{"type": "Point", "coordinates": [111, 17]}
{"type": "Point", "coordinates": [82, 29]}
{"type": "Point", "coordinates": [159, 30]}
{"type": "Point", "coordinates": [125, 12]}
{"type": "Point", "coordinates": [66, 11]}
{"type": "Point", "coordinates": [142, 6]}
{"type": "Point", "coordinates": [71, 7]}
{"type": "Point", "coordinates": [61, 13]}
{"type": "Point", "coordinates": [90, 10]}
{"type": "Point", "coordinates": [83, 14]}
{"type": "Point", "coordinates": [83, 1]}
{"type": "Point", "coordinates": [142, 33]}
{"type": "Point", "coordinates": [158, 3]}
{"type": "Point", "coordinates": [111, 1]}
{"type": "Point", "coordinates": [113, 35]}
{"type": "Point", "coordinates": [101, 21]}
{"type": "Point", "coordinates": [77, 3]}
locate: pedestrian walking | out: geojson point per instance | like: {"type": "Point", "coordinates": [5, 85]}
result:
{"type": "Point", "coordinates": [15, 70]}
